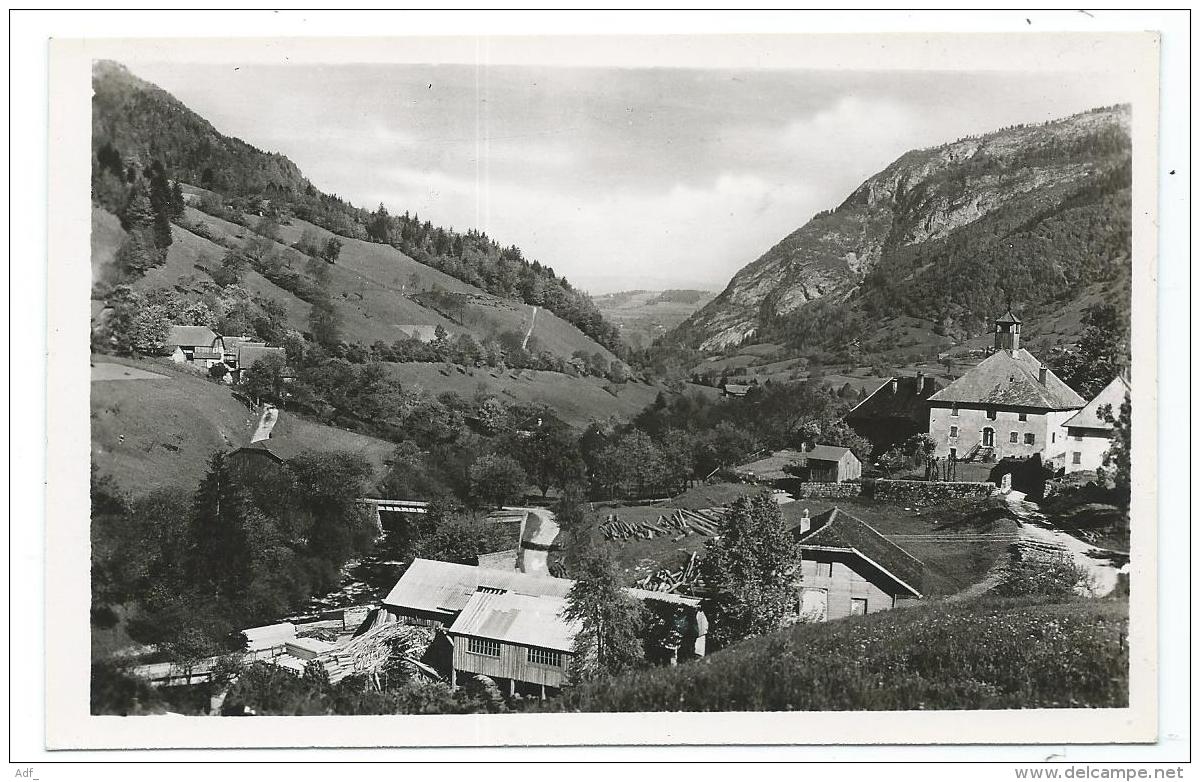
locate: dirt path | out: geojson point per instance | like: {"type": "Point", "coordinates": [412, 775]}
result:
{"type": "Point", "coordinates": [529, 333]}
{"type": "Point", "coordinates": [1099, 563]}
{"type": "Point", "coordinates": [544, 531]}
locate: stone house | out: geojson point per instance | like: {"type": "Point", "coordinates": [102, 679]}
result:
{"type": "Point", "coordinates": [1008, 405]}
{"type": "Point", "coordinates": [1088, 435]}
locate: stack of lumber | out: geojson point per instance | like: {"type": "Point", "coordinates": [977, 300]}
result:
{"type": "Point", "coordinates": [673, 580]}
{"type": "Point", "coordinates": [678, 524]}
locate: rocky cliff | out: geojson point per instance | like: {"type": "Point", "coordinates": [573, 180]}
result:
{"type": "Point", "coordinates": [1023, 200]}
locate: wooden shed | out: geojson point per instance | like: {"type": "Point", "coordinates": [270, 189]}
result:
{"type": "Point", "coordinates": [514, 638]}
{"type": "Point", "coordinates": [831, 464]}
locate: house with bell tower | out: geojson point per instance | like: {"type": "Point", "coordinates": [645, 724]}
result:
{"type": "Point", "coordinates": [1010, 404]}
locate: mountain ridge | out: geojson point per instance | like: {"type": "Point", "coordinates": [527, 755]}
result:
{"type": "Point", "coordinates": [925, 197]}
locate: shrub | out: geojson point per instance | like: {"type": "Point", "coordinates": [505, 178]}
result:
{"type": "Point", "coordinates": [1055, 576]}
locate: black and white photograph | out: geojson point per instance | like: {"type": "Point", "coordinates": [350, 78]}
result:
{"type": "Point", "coordinates": [790, 379]}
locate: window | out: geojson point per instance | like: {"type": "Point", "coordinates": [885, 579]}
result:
{"type": "Point", "coordinates": [954, 431]}
{"type": "Point", "coordinates": [1029, 438]}
{"type": "Point", "coordinates": [1022, 416]}
{"type": "Point", "coordinates": [1076, 457]}
{"type": "Point", "coordinates": [490, 590]}
{"type": "Point", "coordinates": [1012, 437]}
{"type": "Point", "coordinates": [1054, 437]}
{"type": "Point", "coordinates": [991, 414]}
{"type": "Point", "coordinates": [858, 606]}
{"type": "Point", "coordinates": [483, 646]}
{"type": "Point", "coordinates": [825, 569]}
{"type": "Point", "coordinates": [1079, 438]}
{"type": "Point", "coordinates": [545, 657]}
{"type": "Point", "coordinates": [953, 454]}
{"type": "Point", "coordinates": [954, 409]}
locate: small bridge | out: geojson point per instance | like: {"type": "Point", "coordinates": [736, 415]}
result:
{"type": "Point", "coordinates": [382, 506]}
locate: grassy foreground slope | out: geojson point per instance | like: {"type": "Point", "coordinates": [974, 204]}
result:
{"type": "Point", "coordinates": [987, 653]}
{"type": "Point", "coordinates": [160, 431]}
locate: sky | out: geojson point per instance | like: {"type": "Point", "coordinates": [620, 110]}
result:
{"type": "Point", "coordinates": [618, 178]}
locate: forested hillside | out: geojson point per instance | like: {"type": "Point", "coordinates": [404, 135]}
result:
{"type": "Point", "coordinates": [141, 132]}
{"type": "Point", "coordinates": [1033, 217]}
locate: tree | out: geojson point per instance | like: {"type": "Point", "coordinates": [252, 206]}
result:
{"type": "Point", "coordinates": [496, 480]}
{"type": "Point", "coordinates": [265, 379]}
{"type": "Point", "coordinates": [134, 326]}
{"type": "Point", "coordinates": [549, 456]}
{"type": "Point", "coordinates": [1102, 354]}
{"type": "Point", "coordinates": [612, 622]}
{"type": "Point", "coordinates": [1118, 456]}
{"type": "Point", "coordinates": [177, 201]}
{"type": "Point", "coordinates": [325, 321]}
{"type": "Point", "coordinates": [750, 570]}
{"type": "Point", "coordinates": [462, 538]}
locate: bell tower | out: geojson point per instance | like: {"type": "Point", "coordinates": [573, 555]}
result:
{"type": "Point", "coordinates": [1008, 332]}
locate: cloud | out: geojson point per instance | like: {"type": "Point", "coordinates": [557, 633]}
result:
{"type": "Point", "coordinates": [618, 238]}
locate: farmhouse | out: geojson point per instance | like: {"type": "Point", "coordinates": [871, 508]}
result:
{"type": "Point", "coordinates": [1008, 405]}
{"type": "Point", "coordinates": [848, 568]}
{"type": "Point", "coordinates": [508, 625]}
{"type": "Point", "coordinates": [894, 412]}
{"type": "Point", "coordinates": [197, 346]}
{"type": "Point", "coordinates": [738, 388]}
{"type": "Point", "coordinates": [1089, 436]}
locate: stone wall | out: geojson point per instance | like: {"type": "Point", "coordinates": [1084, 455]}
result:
{"type": "Point", "coordinates": [830, 490]}
{"type": "Point", "coordinates": [927, 492]}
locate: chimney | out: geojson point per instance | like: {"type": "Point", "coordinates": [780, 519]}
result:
{"type": "Point", "coordinates": [920, 382]}
{"type": "Point", "coordinates": [1042, 374]}
{"type": "Point", "coordinates": [805, 522]}
{"type": "Point", "coordinates": [895, 384]}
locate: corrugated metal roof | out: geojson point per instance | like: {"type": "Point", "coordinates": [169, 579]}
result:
{"type": "Point", "coordinates": [1011, 378]}
{"type": "Point", "coordinates": [447, 587]}
{"type": "Point", "coordinates": [267, 636]}
{"type": "Point", "coordinates": [1112, 394]}
{"type": "Point", "coordinates": [530, 620]}
{"type": "Point", "coordinates": [429, 585]}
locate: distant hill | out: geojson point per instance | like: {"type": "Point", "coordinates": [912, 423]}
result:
{"type": "Point", "coordinates": [135, 123]}
{"type": "Point", "coordinates": [644, 316]}
{"type": "Point", "coordinates": [1036, 216]}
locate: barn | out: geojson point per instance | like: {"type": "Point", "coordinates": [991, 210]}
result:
{"type": "Point", "coordinates": [894, 412]}
{"type": "Point", "coordinates": [848, 568]}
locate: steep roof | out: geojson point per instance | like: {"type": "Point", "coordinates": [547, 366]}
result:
{"type": "Point", "coordinates": [191, 336]}
{"type": "Point", "coordinates": [1011, 378]}
{"type": "Point", "coordinates": [1112, 394]}
{"type": "Point", "coordinates": [248, 354]}
{"type": "Point", "coordinates": [530, 620]}
{"type": "Point", "coordinates": [907, 401]}
{"type": "Point", "coordinates": [826, 453]}
{"type": "Point", "coordinates": [1008, 317]}
{"type": "Point", "coordinates": [838, 530]}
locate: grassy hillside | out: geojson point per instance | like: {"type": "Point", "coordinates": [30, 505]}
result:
{"type": "Point", "coordinates": [159, 425]}
{"type": "Point", "coordinates": [986, 653]}
{"type": "Point", "coordinates": [577, 400]}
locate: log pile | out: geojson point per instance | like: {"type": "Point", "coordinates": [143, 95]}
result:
{"type": "Point", "coordinates": [678, 524]}
{"type": "Point", "coordinates": [664, 580]}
